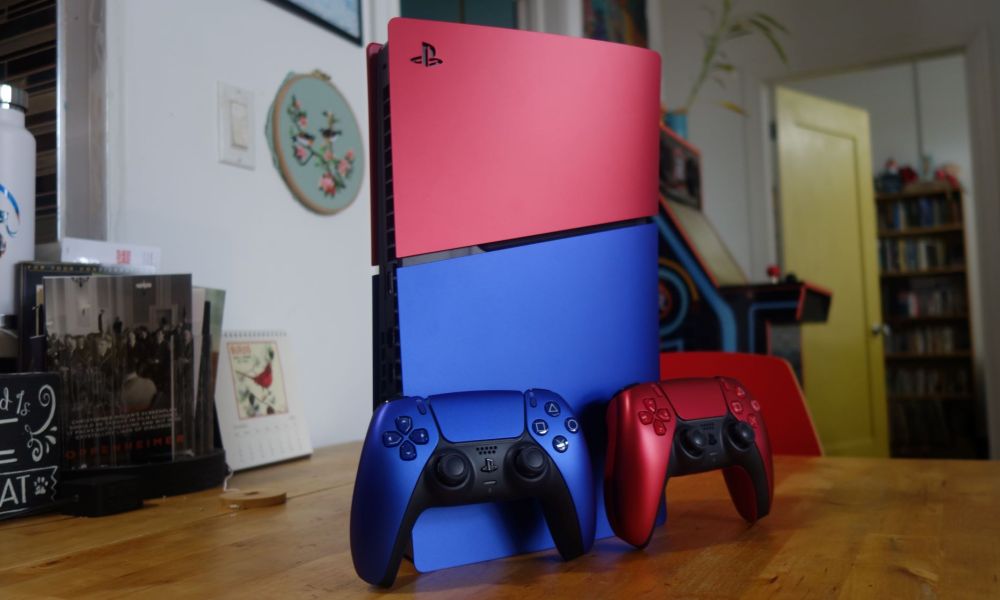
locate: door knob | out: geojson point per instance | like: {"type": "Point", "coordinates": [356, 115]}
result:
{"type": "Point", "coordinates": [881, 328]}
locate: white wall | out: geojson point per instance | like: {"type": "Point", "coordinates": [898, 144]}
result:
{"type": "Point", "coordinates": [281, 265]}
{"type": "Point", "coordinates": [832, 36]}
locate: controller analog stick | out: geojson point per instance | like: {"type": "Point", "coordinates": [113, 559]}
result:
{"type": "Point", "coordinates": [529, 463]}
{"type": "Point", "coordinates": [694, 441]}
{"type": "Point", "coordinates": [741, 435]}
{"type": "Point", "coordinates": [452, 469]}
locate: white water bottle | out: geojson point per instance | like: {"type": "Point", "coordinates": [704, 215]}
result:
{"type": "Point", "coordinates": [17, 192]}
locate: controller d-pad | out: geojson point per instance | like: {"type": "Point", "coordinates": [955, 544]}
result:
{"type": "Point", "coordinates": [404, 424]}
{"type": "Point", "coordinates": [419, 436]}
{"type": "Point", "coordinates": [663, 414]}
{"type": "Point", "coordinates": [552, 409]}
{"type": "Point", "coordinates": [391, 439]}
{"type": "Point", "coordinates": [645, 417]}
{"type": "Point", "coordinates": [407, 451]}
{"type": "Point", "coordinates": [659, 427]}
{"type": "Point", "coordinates": [650, 403]}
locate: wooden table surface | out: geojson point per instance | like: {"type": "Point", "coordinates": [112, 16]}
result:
{"type": "Point", "coordinates": [839, 528]}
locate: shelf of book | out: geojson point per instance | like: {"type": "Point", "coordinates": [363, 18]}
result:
{"type": "Point", "coordinates": [929, 369]}
{"type": "Point", "coordinates": [932, 397]}
{"type": "Point", "coordinates": [925, 272]}
{"type": "Point", "coordinates": [928, 355]}
{"type": "Point", "coordinates": [947, 228]}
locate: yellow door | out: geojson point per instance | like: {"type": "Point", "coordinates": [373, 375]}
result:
{"type": "Point", "coordinates": [828, 237]}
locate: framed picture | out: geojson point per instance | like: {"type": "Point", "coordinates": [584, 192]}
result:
{"type": "Point", "coordinates": [342, 17]}
{"type": "Point", "coordinates": [622, 21]}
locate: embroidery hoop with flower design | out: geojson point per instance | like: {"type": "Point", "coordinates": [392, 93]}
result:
{"type": "Point", "coordinates": [315, 142]}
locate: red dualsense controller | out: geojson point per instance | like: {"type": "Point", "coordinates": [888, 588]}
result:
{"type": "Point", "coordinates": [679, 427]}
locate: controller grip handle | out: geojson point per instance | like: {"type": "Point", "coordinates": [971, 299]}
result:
{"type": "Point", "coordinates": [749, 489]}
{"type": "Point", "coordinates": [560, 512]}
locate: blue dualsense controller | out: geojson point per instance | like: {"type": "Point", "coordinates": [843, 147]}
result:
{"type": "Point", "coordinates": [467, 448]}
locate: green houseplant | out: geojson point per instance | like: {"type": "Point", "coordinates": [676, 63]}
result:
{"type": "Point", "coordinates": [726, 27]}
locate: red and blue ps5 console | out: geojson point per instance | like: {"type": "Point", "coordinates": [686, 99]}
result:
{"type": "Point", "coordinates": [515, 175]}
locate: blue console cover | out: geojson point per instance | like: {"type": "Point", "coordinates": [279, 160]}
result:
{"type": "Point", "coordinates": [576, 315]}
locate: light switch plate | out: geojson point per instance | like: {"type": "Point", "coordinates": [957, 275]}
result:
{"type": "Point", "coordinates": [237, 145]}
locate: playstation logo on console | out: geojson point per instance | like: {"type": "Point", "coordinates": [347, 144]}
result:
{"type": "Point", "coordinates": [427, 56]}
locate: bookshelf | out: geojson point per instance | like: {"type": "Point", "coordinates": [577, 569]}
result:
{"type": "Point", "coordinates": [928, 355]}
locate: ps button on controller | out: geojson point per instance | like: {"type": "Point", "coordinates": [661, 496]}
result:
{"type": "Point", "coordinates": [663, 414]}
{"type": "Point", "coordinates": [645, 417]}
{"type": "Point", "coordinates": [650, 403]}
{"type": "Point", "coordinates": [552, 409]}
{"type": "Point", "coordinates": [403, 424]}
{"type": "Point", "coordinates": [391, 439]}
{"type": "Point", "coordinates": [407, 451]}
{"type": "Point", "coordinates": [540, 427]}
{"type": "Point", "coordinates": [560, 443]}
{"type": "Point", "coordinates": [660, 427]}
{"type": "Point", "coordinates": [419, 436]}
{"type": "Point", "coordinates": [572, 425]}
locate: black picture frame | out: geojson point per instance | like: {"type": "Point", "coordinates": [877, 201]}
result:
{"type": "Point", "coordinates": [292, 7]}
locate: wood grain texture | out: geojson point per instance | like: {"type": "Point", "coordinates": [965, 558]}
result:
{"type": "Point", "coordinates": [839, 528]}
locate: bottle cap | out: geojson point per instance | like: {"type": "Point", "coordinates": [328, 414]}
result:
{"type": "Point", "coordinates": [13, 97]}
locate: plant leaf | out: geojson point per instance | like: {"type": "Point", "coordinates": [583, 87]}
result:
{"type": "Point", "coordinates": [764, 29]}
{"type": "Point", "coordinates": [772, 22]}
{"type": "Point", "coordinates": [736, 108]}
{"type": "Point", "coordinates": [728, 68]}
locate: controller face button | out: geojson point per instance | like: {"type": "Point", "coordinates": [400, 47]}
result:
{"type": "Point", "coordinates": [754, 404]}
{"type": "Point", "coordinates": [407, 451]}
{"type": "Point", "coordinates": [419, 436]}
{"type": "Point", "coordinates": [659, 427]}
{"type": "Point", "coordinates": [572, 425]}
{"type": "Point", "coordinates": [650, 403]}
{"type": "Point", "coordinates": [560, 443]}
{"type": "Point", "coordinates": [645, 417]}
{"type": "Point", "coordinates": [737, 406]}
{"type": "Point", "coordinates": [540, 427]}
{"type": "Point", "coordinates": [663, 414]}
{"type": "Point", "coordinates": [391, 439]}
{"type": "Point", "coordinates": [752, 419]}
{"type": "Point", "coordinates": [741, 435]}
{"type": "Point", "coordinates": [741, 392]}
{"type": "Point", "coordinates": [693, 441]}
{"type": "Point", "coordinates": [403, 424]}
{"type": "Point", "coordinates": [552, 409]}
{"type": "Point", "coordinates": [452, 469]}
{"type": "Point", "coordinates": [529, 463]}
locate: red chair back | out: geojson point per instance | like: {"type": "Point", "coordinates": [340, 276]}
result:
{"type": "Point", "coordinates": [771, 381]}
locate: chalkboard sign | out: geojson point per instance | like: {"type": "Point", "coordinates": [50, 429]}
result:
{"type": "Point", "coordinates": [29, 441]}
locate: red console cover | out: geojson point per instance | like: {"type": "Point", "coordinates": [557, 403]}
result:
{"type": "Point", "coordinates": [499, 134]}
